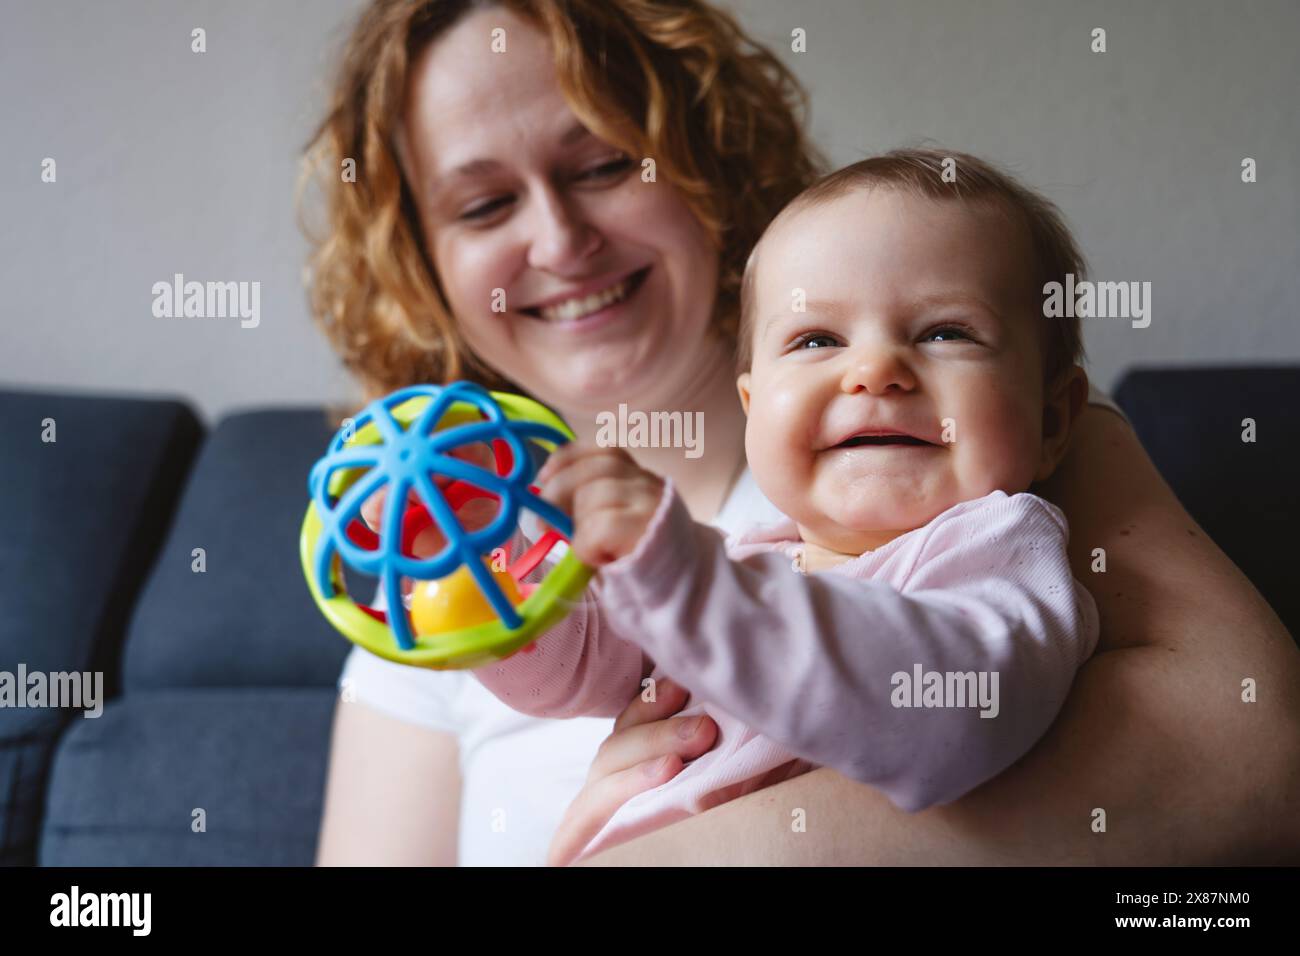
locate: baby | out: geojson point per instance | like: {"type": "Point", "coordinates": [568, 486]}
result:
{"type": "Point", "coordinates": [913, 623]}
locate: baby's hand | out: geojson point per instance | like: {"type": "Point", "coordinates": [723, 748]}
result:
{"type": "Point", "coordinates": [609, 496]}
{"type": "Point", "coordinates": [473, 514]}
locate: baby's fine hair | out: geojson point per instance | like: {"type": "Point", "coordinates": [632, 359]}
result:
{"type": "Point", "coordinates": [921, 172]}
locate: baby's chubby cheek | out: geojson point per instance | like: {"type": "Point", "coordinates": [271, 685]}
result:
{"type": "Point", "coordinates": [779, 449]}
{"type": "Point", "coordinates": [998, 449]}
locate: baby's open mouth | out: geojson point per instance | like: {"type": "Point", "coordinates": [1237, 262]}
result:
{"type": "Point", "coordinates": [858, 440]}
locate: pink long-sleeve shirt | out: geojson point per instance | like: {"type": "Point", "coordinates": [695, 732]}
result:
{"type": "Point", "coordinates": [923, 668]}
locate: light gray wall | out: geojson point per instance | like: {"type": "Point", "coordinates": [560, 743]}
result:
{"type": "Point", "coordinates": [168, 161]}
{"type": "Point", "coordinates": [171, 162]}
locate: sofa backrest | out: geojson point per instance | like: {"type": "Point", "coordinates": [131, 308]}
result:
{"type": "Point", "coordinates": [1242, 485]}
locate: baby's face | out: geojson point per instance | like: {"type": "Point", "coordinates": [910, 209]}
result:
{"type": "Point", "coordinates": [920, 319]}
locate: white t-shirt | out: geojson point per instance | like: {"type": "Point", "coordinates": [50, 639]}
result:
{"type": "Point", "coordinates": [520, 773]}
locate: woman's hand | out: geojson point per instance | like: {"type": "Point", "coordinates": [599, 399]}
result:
{"type": "Point", "coordinates": [609, 496]}
{"type": "Point", "coordinates": [648, 747]}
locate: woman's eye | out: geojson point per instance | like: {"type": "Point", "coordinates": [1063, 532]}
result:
{"type": "Point", "coordinates": [815, 340]}
{"type": "Point", "coordinates": [484, 210]}
{"type": "Point", "coordinates": [614, 167]}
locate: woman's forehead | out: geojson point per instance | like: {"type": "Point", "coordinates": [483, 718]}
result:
{"type": "Point", "coordinates": [460, 77]}
{"type": "Point", "coordinates": [467, 104]}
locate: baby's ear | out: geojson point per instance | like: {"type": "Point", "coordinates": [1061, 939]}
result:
{"type": "Point", "coordinates": [742, 386]}
{"type": "Point", "coordinates": [1063, 403]}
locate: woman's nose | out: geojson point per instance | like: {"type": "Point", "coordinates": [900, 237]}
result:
{"type": "Point", "coordinates": [876, 370]}
{"type": "Point", "coordinates": [562, 238]}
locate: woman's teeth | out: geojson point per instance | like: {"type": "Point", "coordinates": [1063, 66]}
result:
{"type": "Point", "coordinates": [573, 309]}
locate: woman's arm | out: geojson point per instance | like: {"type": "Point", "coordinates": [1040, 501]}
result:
{"type": "Point", "coordinates": [393, 793]}
{"type": "Point", "coordinates": [1154, 732]}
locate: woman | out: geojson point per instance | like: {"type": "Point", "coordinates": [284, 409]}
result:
{"type": "Point", "coordinates": [558, 198]}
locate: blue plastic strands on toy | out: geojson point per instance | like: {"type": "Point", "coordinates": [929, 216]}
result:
{"type": "Point", "coordinates": [414, 458]}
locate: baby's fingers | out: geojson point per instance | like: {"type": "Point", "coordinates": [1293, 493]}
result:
{"type": "Point", "coordinates": [607, 534]}
{"type": "Point", "coordinates": [574, 466]}
{"type": "Point", "coordinates": [372, 509]}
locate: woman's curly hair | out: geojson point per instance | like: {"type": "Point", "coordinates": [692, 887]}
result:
{"type": "Point", "coordinates": [676, 80]}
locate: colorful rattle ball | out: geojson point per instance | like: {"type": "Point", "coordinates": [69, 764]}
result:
{"type": "Point", "coordinates": [470, 604]}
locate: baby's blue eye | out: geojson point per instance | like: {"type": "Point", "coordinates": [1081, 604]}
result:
{"type": "Point", "coordinates": [948, 330]}
{"type": "Point", "coordinates": [811, 341]}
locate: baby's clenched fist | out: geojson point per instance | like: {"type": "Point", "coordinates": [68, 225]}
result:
{"type": "Point", "coordinates": [609, 496]}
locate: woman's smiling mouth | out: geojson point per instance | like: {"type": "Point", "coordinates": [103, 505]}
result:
{"type": "Point", "coordinates": [574, 307]}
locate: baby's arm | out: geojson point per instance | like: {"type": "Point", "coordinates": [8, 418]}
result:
{"type": "Point", "coordinates": [809, 660]}
{"type": "Point", "coordinates": [578, 668]}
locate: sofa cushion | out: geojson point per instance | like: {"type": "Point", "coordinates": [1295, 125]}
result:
{"type": "Point", "coordinates": [125, 787]}
{"type": "Point", "coordinates": [86, 513]}
{"type": "Point", "coordinates": [248, 618]}
{"type": "Point", "coordinates": [1244, 494]}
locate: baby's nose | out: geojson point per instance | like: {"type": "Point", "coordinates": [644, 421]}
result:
{"type": "Point", "coordinates": [876, 371]}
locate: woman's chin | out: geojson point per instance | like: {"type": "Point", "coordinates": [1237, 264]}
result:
{"type": "Point", "coordinates": [589, 388]}
{"type": "Point", "coordinates": [600, 381]}
{"type": "Point", "coordinates": [642, 365]}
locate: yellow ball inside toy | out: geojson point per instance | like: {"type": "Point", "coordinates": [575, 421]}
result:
{"type": "Point", "coordinates": [455, 602]}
